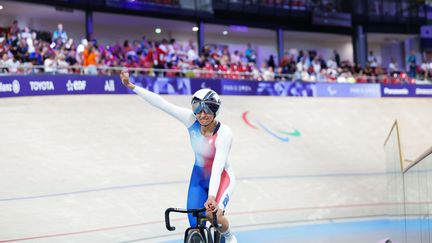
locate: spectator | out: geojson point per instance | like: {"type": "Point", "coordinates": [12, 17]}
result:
{"type": "Point", "coordinates": [300, 56]}
{"type": "Point", "coordinates": [31, 48]}
{"type": "Point", "coordinates": [322, 76]}
{"type": "Point", "coordinates": [80, 50]}
{"type": "Point", "coordinates": [25, 34]}
{"type": "Point", "coordinates": [393, 66]}
{"type": "Point", "coordinates": [249, 52]}
{"type": "Point", "coordinates": [192, 55]}
{"type": "Point", "coordinates": [322, 62]}
{"type": "Point", "coordinates": [301, 66]}
{"type": "Point", "coordinates": [14, 30]}
{"type": "Point", "coordinates": [4, 64]}
{"type": "Point", "coordinates": [253, 56]}
{"type": "Point", "coordinates": [215, 55]}
{"type": "Point", "coordinates": [161, 55]}
{"type": "Point", "coordinates": [331, 64]}
{"type": "Point", "coordinates": [279, 74]}
{"type": "Point", "coordinates": [22, 51]}
{"type": "Point", "coordinates": [60, 34]}
{"type": "Point", "coordinates": [271, 62]}
{"type": "Point", "coordinates": [256, 75]}
{"type": "Point", "coordinates": [269, 74]}
{"type": "Point", "coordinates": [57, 44]}
{"type": "Point", "coordinates": [71, 59]}
{"type": "Point", "coordinates": [242, 58]}
{"type": "Point", "coordinates": [90, 60]}
{"type": "Point", "coordinates": [357, 68]}
{"type": "Point", "coordinates": [12, 64]}
{"type": "Point", "coordinates": [69, 45]}
{"type": "Point", "coordinates": [412, 64]}
{"type": "Point", "coordinates": [62, 65]}
{"type": "Point", "coordinates": [235, 58]}
{"type": "Point", "coordinates": [38, 58]}
{"type": "Point", "coordinates": [50, 65]}
{"type": "Point", "coordinates": [368, 72]}
{"type": "Point", "coordinates": [129, 51]}
{"type": "Point", "coordinates": [225, 58]}
{"type": "Point", "coordinates": [372, 60]}
{"type": "Point", "coordinates": [3, 46]}
{"type": "Point", "coordinates": [172, 56]}
{"type": "Point", "coordinates": [337, 58]}
{"type": "Point", "coordinates": [316, 65]}
{"type": "Point", "coordinates": [144, 44]}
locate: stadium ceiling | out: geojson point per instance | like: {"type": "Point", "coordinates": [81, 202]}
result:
{"type": "Point", "coordinates": [40, 11]}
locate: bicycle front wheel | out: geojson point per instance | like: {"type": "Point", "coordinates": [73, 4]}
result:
{"type": "Point", "coordinates": [195, 237]}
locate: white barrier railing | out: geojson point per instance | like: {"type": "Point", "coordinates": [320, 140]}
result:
{"type": "Point", "coordinates": [192, 73]}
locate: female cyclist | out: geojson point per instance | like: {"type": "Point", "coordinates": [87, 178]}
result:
{"type": "Point", "coordinates": [212, 179]}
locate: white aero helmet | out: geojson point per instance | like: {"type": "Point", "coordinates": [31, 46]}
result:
{"type": "Point", "coordinates": [206, 100]}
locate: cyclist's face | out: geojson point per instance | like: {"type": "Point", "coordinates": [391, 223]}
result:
{"type": "Point", "coordinates": [204, 119]}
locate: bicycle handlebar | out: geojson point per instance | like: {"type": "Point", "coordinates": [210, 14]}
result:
{"type": "Point", "coordinates": [195, 212]}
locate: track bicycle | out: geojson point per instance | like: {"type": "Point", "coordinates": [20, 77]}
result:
{"type": "Point", "coordinates": [199, 233]}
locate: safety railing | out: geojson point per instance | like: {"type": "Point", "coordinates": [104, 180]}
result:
{"type": "Point", "coordinates": [259, 75]}
{"type": "Point", "coordinates": [409, 190]}
{"type": "Point", "coordinates": [418, 198]}
{"type": "Point", "coordinates": [108, 70]}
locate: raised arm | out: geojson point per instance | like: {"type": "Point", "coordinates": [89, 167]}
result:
{"type": "Point", "coordinates": [184, 115]}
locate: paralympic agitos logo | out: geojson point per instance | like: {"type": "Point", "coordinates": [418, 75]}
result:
{"type": "Point", "coordinates": [281, 134]}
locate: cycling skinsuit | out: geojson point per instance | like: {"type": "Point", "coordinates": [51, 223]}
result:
{"type": "Point", "coordinates": [212, 174]}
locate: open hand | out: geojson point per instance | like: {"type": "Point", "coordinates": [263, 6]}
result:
{"type": "Point", "coordinates": [124, 76]}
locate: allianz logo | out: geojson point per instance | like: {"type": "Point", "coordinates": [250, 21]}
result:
{"type": "Point", "coordinates": [403, 91]}
{"type": "Point", "coordinates": [14, 87]}
{"type": "Point", "coordinates": [41, 85]}
{"type": "Point", "coordinates": [109, 85]}
{"type": "Point", "coordinates": [76, 85]}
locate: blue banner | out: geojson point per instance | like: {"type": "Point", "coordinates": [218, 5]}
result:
{"type": "Point", "coordinates": [163, 85]}
{"type": "Point", "coordinates": [347, 90]}
{"type": "Point", "coordinates": [238, 87]}
{"type": "Point", "coordinates": [286, 88]}
{"type": "Point", "coordinates": [214, 84]}
{"type": "Point", "coordinates": [11, 86]}
{"type": "Point", "coordinates": [398, 90]}
{"type": "Point", "coordinates": [422, 90]}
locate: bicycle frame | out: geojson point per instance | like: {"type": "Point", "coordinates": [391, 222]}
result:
{"type": "Point", "coordinates": [201, 223]}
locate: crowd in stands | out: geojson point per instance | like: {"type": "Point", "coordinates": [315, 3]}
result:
{"type": "Point", "coordinates": [22, 51]}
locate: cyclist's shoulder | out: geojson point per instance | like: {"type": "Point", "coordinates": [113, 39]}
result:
{"type": "Point", "coordinates": [195, 125]}
{"type": "Point", "coordinates": [225, 131]}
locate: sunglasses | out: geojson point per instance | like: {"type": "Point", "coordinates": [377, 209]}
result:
{"type": "Point", "coordinates": [207, 107]}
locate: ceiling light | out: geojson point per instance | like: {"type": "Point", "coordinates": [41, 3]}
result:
{"type": "Point", "coordinates": [195, 29]}
{"type": "Point", "coordinates": [225, 32]}
{"type": "Point", "coordinates": [158, 30]}
{"type": "Point", "coordinates": [1, 7]}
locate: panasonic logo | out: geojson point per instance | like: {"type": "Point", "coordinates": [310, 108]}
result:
{"type": "Point", "coordinates": [389, 91]}
{"type": "Point", "coordinates": [41, 85]}
{"type": "Point", "coordinates": [420, 91]}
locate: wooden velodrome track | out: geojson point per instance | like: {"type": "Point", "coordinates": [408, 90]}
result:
{"type": "Point", "coordinates": [103, 168]}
